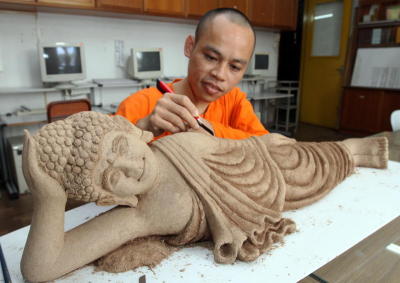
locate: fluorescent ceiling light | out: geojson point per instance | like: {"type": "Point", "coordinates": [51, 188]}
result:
{"type": "Point", "coordinates": [60, 43]}
{"type": "Point", "coordinates": [393, 248]}
{"type": "Point", "coordinates": [323, 16]}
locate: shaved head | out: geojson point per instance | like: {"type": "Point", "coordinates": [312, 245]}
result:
{"type": "Point", "coordinates": [233, 15]}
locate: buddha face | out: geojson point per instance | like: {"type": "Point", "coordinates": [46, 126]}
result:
{"type": "Point", "coordinates": [127, 168]}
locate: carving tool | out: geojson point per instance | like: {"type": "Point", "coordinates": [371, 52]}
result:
{"type": "Point", "coordinates": [163, 88]}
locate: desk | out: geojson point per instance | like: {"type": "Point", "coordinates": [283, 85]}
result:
{"type": "Point", "coordinates": [260, 101]}
{"type": "Point", "coordinates": [325, 230]}
{"type": "Point", "coordinates": [66, 90]}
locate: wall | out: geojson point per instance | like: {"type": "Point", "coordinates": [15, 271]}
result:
{"type": "Point", "coordinates": [20, 33]}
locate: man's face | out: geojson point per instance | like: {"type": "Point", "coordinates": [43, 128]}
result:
{"type": "Point", "coordinates": [219, 59]}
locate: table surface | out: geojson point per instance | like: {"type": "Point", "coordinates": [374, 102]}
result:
{"type": "Point", "coordinates": [268, 95]}
{"type": "Point", "coordinates": [359, 206]}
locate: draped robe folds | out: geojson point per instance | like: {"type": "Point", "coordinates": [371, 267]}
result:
{"type": "Point", "coordinates": [240, 187]}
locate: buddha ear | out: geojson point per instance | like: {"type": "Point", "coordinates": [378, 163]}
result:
{"type": "Point", "coordinates": [127, 125]}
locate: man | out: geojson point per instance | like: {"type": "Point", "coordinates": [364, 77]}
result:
{"type": "Point", "coordinates": [218, 57]}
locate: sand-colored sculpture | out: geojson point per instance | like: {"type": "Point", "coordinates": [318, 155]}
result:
{"type": "Point", "coordinates": [188, 187]}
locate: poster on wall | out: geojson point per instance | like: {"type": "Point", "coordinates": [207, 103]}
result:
{"type": "Point", "coordinates": [377, 67]}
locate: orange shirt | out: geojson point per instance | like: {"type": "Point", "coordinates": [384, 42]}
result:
{"type": "Point", "coordinates": [232, 115]}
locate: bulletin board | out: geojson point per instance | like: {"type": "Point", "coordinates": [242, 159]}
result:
{"type": "Point", "coordinates": [377, 67]}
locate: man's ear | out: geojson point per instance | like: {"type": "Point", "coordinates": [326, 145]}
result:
{"type": "Point", "coordinates": [189, 45]}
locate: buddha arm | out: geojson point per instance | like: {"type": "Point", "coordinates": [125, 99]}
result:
{"type": "Point", "coordinates": [51, 253]}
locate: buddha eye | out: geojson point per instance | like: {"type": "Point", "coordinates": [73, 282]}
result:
{"type": "Point", "coordinates": [114, 178]}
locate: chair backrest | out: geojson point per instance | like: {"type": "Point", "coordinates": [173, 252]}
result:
{"type": "Point", "coordinates": [395, 120]}
{"type": "Point", "coordinates": [58, 110]}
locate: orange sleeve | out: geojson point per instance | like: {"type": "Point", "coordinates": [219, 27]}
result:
{"type": "Point", "coordinates": [240, 121]}
{"type": "Point", "coordinates": [139, 104]}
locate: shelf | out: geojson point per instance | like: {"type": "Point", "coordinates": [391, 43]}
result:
{"type": "Point", "coordinates": [370, 88]}
{"type": "Point", "coordinates": [377, 24]}
{"type": "Point", "coordinates": [379, 45]}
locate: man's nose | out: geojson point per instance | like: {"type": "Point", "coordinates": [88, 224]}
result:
{"type": "Point", "coordinates": [218, 72]}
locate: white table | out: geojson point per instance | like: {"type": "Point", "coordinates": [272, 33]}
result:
{"type": "Point", "coordinates": [260, 102]}
{"type": "Point", "coordinates": [361, 205]}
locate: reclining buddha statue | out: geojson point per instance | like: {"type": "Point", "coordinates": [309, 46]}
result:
{"type": "Point", "coordinates": [188, 187]}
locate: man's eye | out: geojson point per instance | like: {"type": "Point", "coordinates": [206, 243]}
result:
{"type": "Point", "coordinates": [235, 68]}
{"type": "Point", "coordinates": [210, 58]}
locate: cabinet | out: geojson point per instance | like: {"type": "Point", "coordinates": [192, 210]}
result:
{"type": "Point", "coordinates": [276, 14]}
{"type": "Point", "coordinates": [20, 1]}
{"type": "Point", "coordinates": [130, 5]}
{"type": "Point", "coordinates": [196, 9]}
{"type": "Point", "coordinates": [360, 110]}
{"type": "Point", "coordinates": [285, 14]}
{"type": "Point", "coordinates": [165, 7]}
{"type": "Point", "coordinates": [367, 110]}
{"type": "Point", "coordinates": [272, 13]}
{"type": "Point", "coordinates": [241, 5]}
{"type": "Point", "coordinates": [70, 3]}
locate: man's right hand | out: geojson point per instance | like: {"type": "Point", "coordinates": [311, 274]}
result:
{"type": "Point", "coordinates": [173, 113]}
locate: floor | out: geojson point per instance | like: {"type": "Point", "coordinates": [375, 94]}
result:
{"type": "Point", "coordinates": [369, 261]}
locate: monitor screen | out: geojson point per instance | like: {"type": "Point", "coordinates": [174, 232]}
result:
{"type": "Point", "coordinates": [148, 61]}
{"type": "Point", "coordinates": [62, 60]}
{"type": "Point", "coordinates": [145, 63]}
{"type": "Point", "coordinates": [261, 62]}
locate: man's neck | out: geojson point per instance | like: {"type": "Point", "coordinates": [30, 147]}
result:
{"type": "Point", "coordinates": [183, 87]}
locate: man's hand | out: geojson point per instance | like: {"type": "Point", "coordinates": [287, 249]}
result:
{"type": "Point", "coordinates": [203, 131]}
{"type": "Point", "coordinates": [173, 113]}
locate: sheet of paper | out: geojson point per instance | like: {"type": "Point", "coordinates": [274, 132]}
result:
{"type": "Point", "coordinates": [377, 67]}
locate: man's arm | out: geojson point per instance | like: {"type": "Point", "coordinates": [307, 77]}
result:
{"type": "Point", "coordinates": [151, 111]}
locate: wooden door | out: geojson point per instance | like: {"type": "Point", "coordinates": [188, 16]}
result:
{"type": "Point", "coordinates": [325, 37]}
{"type": "Point", "coordinates": [241, 5]}
{"type": "Point", "coordinates": [196, 8]}
{"type": "Point", "coordinates": [165, 7]}
{"type": "Point", "coordinates": [75, 3]}
{"type": "Point", "coordinates": [121, 4]}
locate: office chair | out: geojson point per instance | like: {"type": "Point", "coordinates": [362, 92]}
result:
{"type": "Point", "coordinates": [58, 110]}
{"type": "Point", "coordinates": [395, 120]}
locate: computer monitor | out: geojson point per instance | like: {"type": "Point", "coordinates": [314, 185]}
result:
{"type": "Point", "coordinates": [146, 63]}
{"type": "Point", "coordinates": [258, 65]}
{"type": "Point", "coordinates": [62, 62]}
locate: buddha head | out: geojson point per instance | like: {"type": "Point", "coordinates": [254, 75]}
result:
{"type": "Point", "coordinates": [97, 158]}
